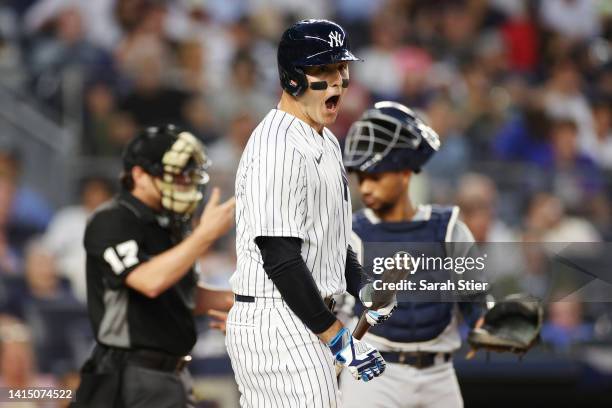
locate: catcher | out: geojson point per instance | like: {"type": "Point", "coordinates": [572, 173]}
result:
{"type": "Point", "coordinates": [385, 148]}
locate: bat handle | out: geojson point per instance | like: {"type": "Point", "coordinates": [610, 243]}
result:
{"type": "Point", "coordinates": [362, 327]}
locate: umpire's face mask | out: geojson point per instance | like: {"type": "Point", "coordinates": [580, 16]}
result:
{"type": "Point", "coordinates": [184, 175]}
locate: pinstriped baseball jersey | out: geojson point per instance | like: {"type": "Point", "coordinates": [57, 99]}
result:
{"type": "Point", "coordinates": [291, 183]}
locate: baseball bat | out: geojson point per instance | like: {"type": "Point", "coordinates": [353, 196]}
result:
{"type": "Point", "coordinates": [380, 298]}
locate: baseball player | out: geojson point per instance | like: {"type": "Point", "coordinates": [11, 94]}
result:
{"type": "Point", "coordinates": [385, 148]}
{"type": "Point", "coordinates": [142, 289]}
{"type": "Point", "coordinates": [293, 220]}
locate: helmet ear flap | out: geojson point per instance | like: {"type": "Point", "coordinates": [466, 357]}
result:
{"type": "Point", "coordinates": [295, 83]}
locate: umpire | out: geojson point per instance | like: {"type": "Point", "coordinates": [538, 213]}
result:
{"type": "Point", "coordinates": [142, 288]}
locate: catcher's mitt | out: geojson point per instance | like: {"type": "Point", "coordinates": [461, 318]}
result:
{"type": "Point", "coordinates": [512, 325]}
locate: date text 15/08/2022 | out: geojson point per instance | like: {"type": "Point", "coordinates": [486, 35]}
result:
{"type": "Point", "coordinates": [423, 284]}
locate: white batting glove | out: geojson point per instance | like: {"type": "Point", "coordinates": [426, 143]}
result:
{"type": "Point", "coordinates": [362, 360]}
{"type": "Point", "coordinates": [379, 315]}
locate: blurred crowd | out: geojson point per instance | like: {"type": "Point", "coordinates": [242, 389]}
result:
{"type": "Point", "coordinates": [519, 91]}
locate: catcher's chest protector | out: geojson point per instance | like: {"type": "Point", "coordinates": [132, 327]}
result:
{"type": "Point", "coordinates": [411, 321]}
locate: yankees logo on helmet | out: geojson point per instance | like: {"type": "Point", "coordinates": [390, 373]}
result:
{"type": "Point", "coordinates": [336, 39]}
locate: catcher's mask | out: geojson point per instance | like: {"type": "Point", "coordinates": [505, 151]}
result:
{"type": "Point", "coordinates": [178, 162]}
{"type": "Point", "coordinates": [389, 137]}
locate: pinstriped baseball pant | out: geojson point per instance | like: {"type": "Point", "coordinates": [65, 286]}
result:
{"type": "Point", "coordinates": [276, 360]}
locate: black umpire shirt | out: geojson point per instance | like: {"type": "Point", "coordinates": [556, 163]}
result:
{"type": "Point", "coordinates": [118, 237]}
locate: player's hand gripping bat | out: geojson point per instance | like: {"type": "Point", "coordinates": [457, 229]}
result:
{"type": "Point", "coordinates": [381, 298]}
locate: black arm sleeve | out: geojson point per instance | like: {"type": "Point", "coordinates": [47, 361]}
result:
{"type": "Point", "coordinates": [283, 263]}
{"type": "Point", "coordinates": [354, 273]}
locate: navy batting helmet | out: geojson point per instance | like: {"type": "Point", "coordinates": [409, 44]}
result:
{"type": "Point", "coordinates": [389, 137]}
{"type": "Point", "coordinates": [310, 43]}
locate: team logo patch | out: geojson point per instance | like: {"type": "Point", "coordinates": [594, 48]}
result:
{"type": "Point", "coordinates": [335, 39]}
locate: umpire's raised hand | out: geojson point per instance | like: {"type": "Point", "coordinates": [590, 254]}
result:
{"type": "Point", "coordinates": [216, 218]}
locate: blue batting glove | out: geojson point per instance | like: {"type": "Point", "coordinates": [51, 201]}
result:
{"type": "Point", "coordinates": [363, 361]}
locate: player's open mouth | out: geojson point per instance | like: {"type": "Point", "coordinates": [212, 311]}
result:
{"type": "Point", "coordinates": [331, 103]}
